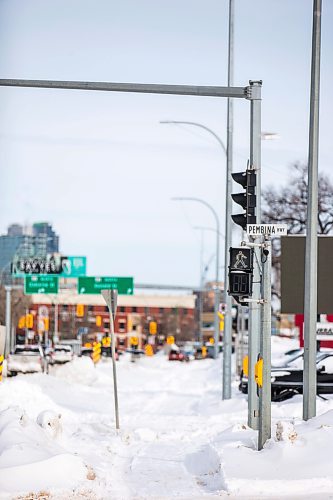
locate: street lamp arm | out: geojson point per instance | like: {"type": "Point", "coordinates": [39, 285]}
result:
{"type": "Point", "coordinates": [205, 228]}
{"type": "Point", "coordinates": [195, 124]}
{"type": "Point", "coordinates": [199, 200]}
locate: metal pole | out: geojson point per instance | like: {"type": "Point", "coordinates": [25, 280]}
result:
{"type": "Point", "coordinates": [140, 88]}
{"type": "Point", "coordinates": [254, 309]}
{"type": "Point", "coordinates": [227, 334]}
{"type": "Point", "coordinates": [311, 250]}
{"type": "Point", "coordinates": [265, 351]}
{"type": "Point", "coordinates": [56, 321]}
{"type": "Point", "coordinates": [110, 297]}
{"type": "Point", "coordinates": [8, 318]}
{"type": "Point", "coordinates": [113, 348]}
{"type": "Point", "coordinates": [200, 293]}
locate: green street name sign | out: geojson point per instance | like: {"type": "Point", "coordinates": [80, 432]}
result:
{"type": "Point", "coordinates": [91, 284]}
{"type": "Point", "coordinates": [41, 283]}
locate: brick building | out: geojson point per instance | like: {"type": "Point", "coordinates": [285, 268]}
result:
{"type": "Point", "coordinates": [71, 315]}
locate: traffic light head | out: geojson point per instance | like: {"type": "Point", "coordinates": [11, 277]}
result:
{"type": "Point", "coordinates": [247, 199]}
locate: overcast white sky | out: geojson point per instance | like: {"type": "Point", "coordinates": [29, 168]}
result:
{"type": "Point", "coordinates": [101, 168]}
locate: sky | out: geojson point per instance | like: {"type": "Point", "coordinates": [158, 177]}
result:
{"type": "Point", "coordinates": [102, 169]}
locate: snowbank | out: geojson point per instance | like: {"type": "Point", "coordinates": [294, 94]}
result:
{"type": "Point", "coordinates": [30, 460]}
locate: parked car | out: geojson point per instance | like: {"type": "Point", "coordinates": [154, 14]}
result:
{"type": "Point", "coordinates": [26, 359]}
{"type": "Point", "coordinates": [288, 381]}
{"type": "Point", "coordinates": [176, 355]}
{"type": "Point", "coordinates": [60, 354]}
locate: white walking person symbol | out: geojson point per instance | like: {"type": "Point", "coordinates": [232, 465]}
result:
{"type": "Point", "coordinates": [240, 260]}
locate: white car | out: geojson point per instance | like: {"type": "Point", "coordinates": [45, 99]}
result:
{"type": "Point", "coordinates": [26, 359]}
{"type": "Point", "coordinates": [60, 354]}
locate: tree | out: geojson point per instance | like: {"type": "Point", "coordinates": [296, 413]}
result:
{"type": "Point", "coordinates": [288, 205]}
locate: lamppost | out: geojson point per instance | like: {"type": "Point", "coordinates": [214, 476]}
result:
{"type": "Point", "coordinates": [203, 271]}
{"type": "Point", "coordinates": [216, 288]}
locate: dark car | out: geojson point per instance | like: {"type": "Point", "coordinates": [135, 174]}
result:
{"type": "Point", "coordinates": [175, 355]}
{"type": "Point", "coordinates": [288, 381]}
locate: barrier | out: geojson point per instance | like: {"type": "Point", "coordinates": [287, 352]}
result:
{"type": "Point", "coordinates": [1, 366]}
{"type": "Point", "coordinates": [97, 351]}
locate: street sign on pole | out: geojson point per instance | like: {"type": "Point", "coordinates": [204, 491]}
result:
{"type": "Point", "coordinates": [110, 297]}
{"type": "Point", "coordinates": [92, 284]}
{"type": "Point", "coordinates": [266, 229]}
{"type": "Point", "coordinates": [40, 283]}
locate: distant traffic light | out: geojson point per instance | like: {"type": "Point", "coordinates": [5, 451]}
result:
{"type": "Point", "coordinates": [46, 324]}
{"type": "Point", "coordinates": [153, 327]}
{"type": "Point", "coordinates": [247, 199]}
{"type": "Point", "coordinates": [98, 320]}
{"type": "Point", "coordinates": [80, 310]}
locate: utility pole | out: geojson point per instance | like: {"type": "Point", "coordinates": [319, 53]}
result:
{"type": "Point", "coordinates": [311, 248]}
{"type": "Point", "coordinates": [227, 334]}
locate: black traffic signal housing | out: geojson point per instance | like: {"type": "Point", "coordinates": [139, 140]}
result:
{"type": "Point", "coordinates": [240, 274]}
{"type": "Point", "coordinates": [247, 199]}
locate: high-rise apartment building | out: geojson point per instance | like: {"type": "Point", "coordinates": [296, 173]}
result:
{"type": "Point", "coordinates": [22, 241]}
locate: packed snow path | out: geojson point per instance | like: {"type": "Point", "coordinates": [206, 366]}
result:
{"type": "Point", "coordinates": [176, 438]}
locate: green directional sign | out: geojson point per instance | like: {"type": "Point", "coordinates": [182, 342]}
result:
{"type": "Point", "coordinates": [40, 283]}
{"type": "Point", "coordinates": [92, 284]}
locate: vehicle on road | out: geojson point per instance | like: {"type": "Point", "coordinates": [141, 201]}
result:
{"type": "Point", "coordinates": [176, 355]}
{"type": "Point", "coordinates": [26, 359]}
{"type": "Point", "coordinates": [60, 354]}
{"type": "Point", "coordinates": [287, 381]}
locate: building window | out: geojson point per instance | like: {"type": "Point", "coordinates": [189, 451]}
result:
{"type": "Point", "coordinates": [134, 309]}
{"type": "Point", "coordinates": [184, 312]}
{"type": "Point", "coordinates": [134, 328]}
{"type": "Point", "coordinates": [161, 310]}
{"type": "Point", "coordinates": [122, 309]}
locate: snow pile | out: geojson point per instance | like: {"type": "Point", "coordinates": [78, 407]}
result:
{"type": "Point", "coordinates": [298, 460]}
{"type": "Point", "coordinates": [177, 437]}
{"type": "Point", "coordinates": [30, 460]}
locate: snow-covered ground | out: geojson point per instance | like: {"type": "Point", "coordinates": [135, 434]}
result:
{"type": "Point", "coordinates": [176, 439]}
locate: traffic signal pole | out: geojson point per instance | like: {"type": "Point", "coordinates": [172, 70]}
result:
{"type": "Point", "coordinates": [255, 307]}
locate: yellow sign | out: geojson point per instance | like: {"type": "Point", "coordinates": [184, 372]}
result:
{"type": "Point", "coordinates": [21, 323]}
{"type": "Point", "coordinates": [80, 310]}
{"type": "Point", "coordinates": [204, 351]}
{"type": "Point", "coordinates": [170, 339]}
{"type": "Point", "coordinates": [134, 341]}
{"type": "Point", "coordinates": [29, 320]}
{"type": "Point", "coordinates": [153, 327]}
{"type": "Point", "coordinates": [149, 350]}
{"type": "Point", "coordinates": [98, 320]}
{"type": "Point", "coordinates": [96, 354]}
{"type": "Point", "coordinates": [1, 364]}
{"type": "Point", "coordinates": [246, 366]}
{"type": "Point", "coordinates": [258, 371]}
{"type": "Point", "coordinates": [106, 341]}
{"type": "Point", "coordinates": [211, 340]}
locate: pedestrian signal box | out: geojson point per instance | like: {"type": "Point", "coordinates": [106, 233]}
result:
{"type": "Point", "coordinates": [240, 273]}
